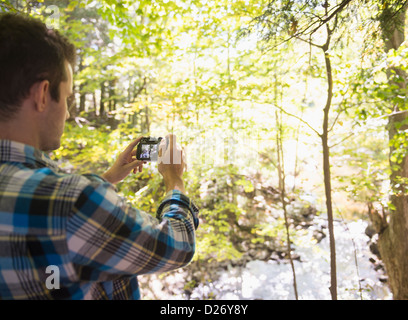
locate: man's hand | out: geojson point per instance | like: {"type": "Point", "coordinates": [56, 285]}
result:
{"type": "Point", "coordinates": [124, 164]}
{"type": "Point", "coordinates": [171, 163]}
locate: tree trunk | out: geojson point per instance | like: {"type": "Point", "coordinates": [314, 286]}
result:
{"type": "Point", "coordinates": [102, 101]}
{"type": "Point", "coordinates": [147, 120]}
{"type": "Point", "coordinates": [112, 98]}
{"type": "Point", "coordinates": [326, 168]}
{"type": "Point", "coordinates": [94, 103]}
{"type": "Point", "coordinates": [393, 236]}
{"type": "Point", "coordinates": [282, 187]}
{"type": "Point", "coordinates": [81, 87]}
{"type": "Point", "coordinates": [81, 99]}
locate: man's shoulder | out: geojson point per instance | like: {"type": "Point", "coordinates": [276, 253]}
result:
{"type": "Point", "coordinates": [71, 185]}
{"type": "Point", "coordinates": [45, 181]}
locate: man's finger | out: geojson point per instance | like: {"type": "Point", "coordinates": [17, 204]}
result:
{"type": "Point", "coordinates": [134, 164]}
{"type": "Point", "coordinates": [132, 145]}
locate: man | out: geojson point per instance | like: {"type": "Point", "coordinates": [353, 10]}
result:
{"type": "Point", "coordinates": [73, 228]}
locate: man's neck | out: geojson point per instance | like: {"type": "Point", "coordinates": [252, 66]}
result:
{"type": "Point", "coordinates": [19, 131]}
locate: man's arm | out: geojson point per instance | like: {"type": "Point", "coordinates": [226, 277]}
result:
{"type": "Point", "coordinates": [107, 237]}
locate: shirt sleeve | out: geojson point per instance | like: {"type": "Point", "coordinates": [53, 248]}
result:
{"type": "Point", "coordinates": [108, 238]}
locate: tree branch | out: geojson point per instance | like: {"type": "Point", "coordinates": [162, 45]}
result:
{"type": "Point", "coordinates": [340, 7]}
{"type": "Point", "coordinates": [285, 112]}
{"type": "Point", "coordinates": [342, 140]}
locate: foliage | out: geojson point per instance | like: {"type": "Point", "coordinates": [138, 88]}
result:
{"type": "Point", "coordinates": [382, 98]}
{"type": "Point", "coordinates": [197, 68]}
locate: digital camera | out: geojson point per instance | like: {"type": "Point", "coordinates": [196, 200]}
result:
{"type": "Point", "coordinates": [148, 149]}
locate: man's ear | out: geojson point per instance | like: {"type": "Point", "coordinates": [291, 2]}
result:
{"type": "Point", "coordinates": [40, 94]}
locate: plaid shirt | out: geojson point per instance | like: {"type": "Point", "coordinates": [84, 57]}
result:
{"type": "Point", "coordinates": [79, 224]}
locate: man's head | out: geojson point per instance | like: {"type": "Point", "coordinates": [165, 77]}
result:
{"type": "Point", "coordinates": [35, 70]}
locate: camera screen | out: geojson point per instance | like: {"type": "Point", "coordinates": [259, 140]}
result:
{"type": "Point", "coordinates": [148, 151]}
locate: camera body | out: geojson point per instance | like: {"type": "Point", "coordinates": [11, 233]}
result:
{"type": "Point", "coordinates": [148, 149]}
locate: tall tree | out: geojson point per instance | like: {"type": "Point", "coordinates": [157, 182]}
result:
{"type": "Point", "coordinates": [302, 21]}
{"type": "Point", "coordinates": [393, 230]}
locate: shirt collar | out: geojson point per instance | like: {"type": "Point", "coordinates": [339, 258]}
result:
{"type": "Point", "coordinates": [12, 151]}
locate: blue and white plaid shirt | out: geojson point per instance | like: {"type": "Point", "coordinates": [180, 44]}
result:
{"type": "Point", "coordinates": [79, 224]}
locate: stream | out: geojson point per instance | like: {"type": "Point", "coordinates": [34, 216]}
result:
{"type": "Point", "coordinates": [357, 278]}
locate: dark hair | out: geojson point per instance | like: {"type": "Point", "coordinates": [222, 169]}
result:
{"type": "Point", "coordinates": [29, 52]}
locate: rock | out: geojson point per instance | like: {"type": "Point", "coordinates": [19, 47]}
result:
{"type": "Point", "coordinates": [374, 249]}
{"type": "Point", "coordinates": [379, 267]}
{"type": "Point", "coordinates": [274, 256]}
{"type": "Point", "coordinates": [369, 231]}
{"type": "Point", "coordinates": [308, 212]}
{"type": "Point", "coordinates": [319, 235]}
